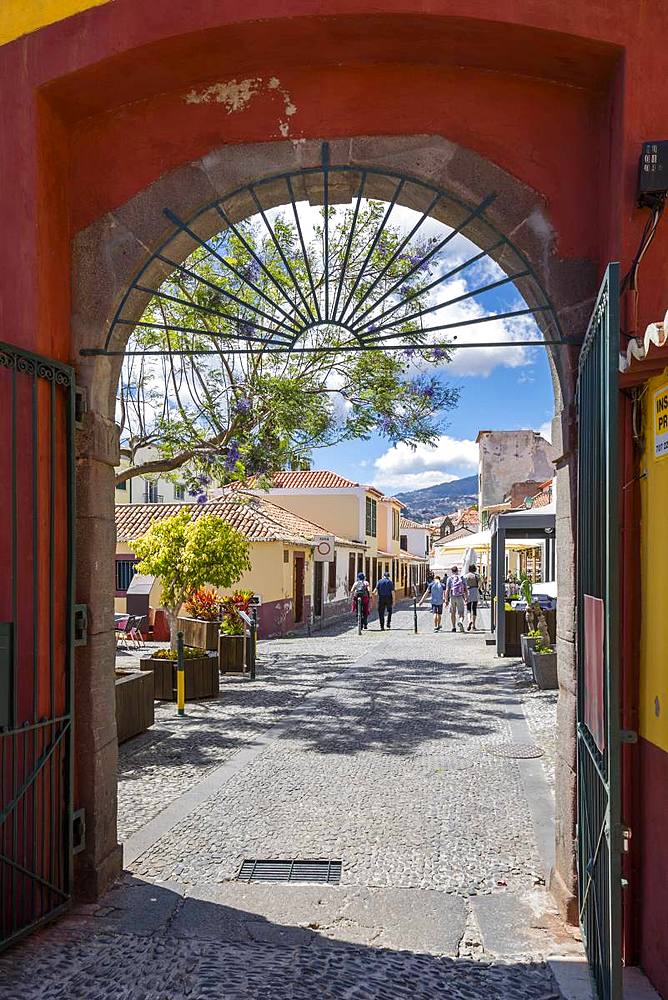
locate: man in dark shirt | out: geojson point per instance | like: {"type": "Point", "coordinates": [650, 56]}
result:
{"type": "Point", "coordinates": [385, 589]}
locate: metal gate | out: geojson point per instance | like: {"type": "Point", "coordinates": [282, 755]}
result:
{"type": "Point", "coordinates": [36, 638]}
{"type": "Point", "coordinates": [598, 729]}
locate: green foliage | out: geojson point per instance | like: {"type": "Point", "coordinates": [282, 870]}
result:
{"type": "Point", "coordinates": [232, 624]}
{"type": "Point", "coordinates": [533, 634]}
{"type": "Point", "coordinates": [542, 649]}
{"type": "Point", "coordinates": [189, 653]}
{"type": "Point", "coordinates": [187, 553]}
{"type": "Point", "coordinates": [203, 604]}
{"type": "Point", "coordinates": [526, 588]}
{"type": "Point", "coordinates": [227, 416]}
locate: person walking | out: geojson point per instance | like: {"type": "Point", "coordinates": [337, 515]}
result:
{"type": "Point", "coordinates": [435, 590]}
{"type": "Point", "coordinates": [472, 581]}
{"type": "Point", "coordinates": [455, 597]}
{"type": "Point", "coordinates": [385, 589]}
{"type": "Point", "coordinates": [360, 591]}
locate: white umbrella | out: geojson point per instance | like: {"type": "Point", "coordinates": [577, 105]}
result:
{"type": "Point", "coordinates": [470, 559]}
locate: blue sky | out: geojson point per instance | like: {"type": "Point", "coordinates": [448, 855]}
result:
{"type": "Point", "coordinates": [505, 398]}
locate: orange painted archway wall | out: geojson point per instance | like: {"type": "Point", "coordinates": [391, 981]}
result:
{"type": "Point", "coordinates": [102, 97]}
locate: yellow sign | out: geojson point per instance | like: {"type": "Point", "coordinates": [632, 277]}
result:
{"type": "Point", "coordinates": [661, 422]}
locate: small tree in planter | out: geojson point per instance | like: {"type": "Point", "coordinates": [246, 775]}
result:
{"type": "Point", "coordinates": [202, 621]}
{"type": "Point", "coordinates": [186, 553]}
{"type": "Point", "coordinates": [231, 643]}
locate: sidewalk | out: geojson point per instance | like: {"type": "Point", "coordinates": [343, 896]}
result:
{"type": "Point", "coordinates": [390, 752]}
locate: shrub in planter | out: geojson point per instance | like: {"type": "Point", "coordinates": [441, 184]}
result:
{"type": "Point", "coordinates": [529, 641]}
{"type": "Point", "coordinates": [201, 624]}
{"type": "Point", "coordinates": [232, 640]}
{"type": "Point", "coordinates": [544, 666]}
{"type": "Point", "coordinates": [201, 673]}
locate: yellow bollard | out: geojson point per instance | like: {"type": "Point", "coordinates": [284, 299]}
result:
{"type": "Point", "coordinates": [180, 676]}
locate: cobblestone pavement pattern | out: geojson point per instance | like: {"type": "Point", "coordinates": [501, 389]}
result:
{"type": "Point", "coordinates": [381, 762]}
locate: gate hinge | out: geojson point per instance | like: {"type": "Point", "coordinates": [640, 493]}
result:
{"type": "Point", "coordinates": [80, 404]}
{"type": "Point", "coordinates": [80, 625]}
{"type": "Point", "coordinates": [628, 736]}
{"type": "Point", "coordinates": [78, 831]}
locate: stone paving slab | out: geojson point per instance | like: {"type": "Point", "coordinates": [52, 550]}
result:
{"type": "Point", "coordinates": [369, 750]}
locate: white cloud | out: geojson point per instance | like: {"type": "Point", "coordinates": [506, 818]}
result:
{"type": "Point", "coordinates": [405, 468]}
{"type": "Point", "coordinates": [545, 430]}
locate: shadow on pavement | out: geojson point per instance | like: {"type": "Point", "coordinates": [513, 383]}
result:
{"type": "Point", "coordinates": [145, 940]}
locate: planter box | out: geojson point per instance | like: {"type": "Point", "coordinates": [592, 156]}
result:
{"type": "Point", "coordinates": [544, 667]}
{"type": "Point", "coordinates": [200, 633]}
{"type": "Point", "coordinates": [528, 643]}
{"type": "Point", "coordinates": [134, 703]}
{"type": "Point", "coordinates": [232, 654]}
{"type": "Point", "coordinates": [514, 627]}
{"type": "Point", "coordinates": [202, 680]}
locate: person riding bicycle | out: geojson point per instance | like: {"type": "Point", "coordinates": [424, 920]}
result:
{"type": "Point", "coordinates": [360, 590]}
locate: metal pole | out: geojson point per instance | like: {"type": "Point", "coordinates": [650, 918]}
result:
{"type": "Point", "coordinates": [252, 647]}
{"type": "Point", "coordinates": [359, 615]}
{"type": "Point", "coordinates": [180, 675]}
{"type": "Point", "coordinates": [415, 628]}
{"type": "Point", "coordinates": [253, 611]}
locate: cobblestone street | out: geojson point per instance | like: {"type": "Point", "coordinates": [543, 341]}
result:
{"type": "Point", "coordinates": [422, 763]}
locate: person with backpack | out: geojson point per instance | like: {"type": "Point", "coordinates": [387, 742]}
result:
{"type": "Point", "coordinates": [455, 598]}
{"type": "Point", "coordinates": [436, 591]}
{"type": "Point", "coordinates": [360, 590]}
{"type": "Point", "coordinates": [472, 581]}
{"type": "Point", "coordinates": [384, 588]}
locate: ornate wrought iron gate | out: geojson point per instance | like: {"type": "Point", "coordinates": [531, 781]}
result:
{"type": "Point", "coordinates": [598, 730]}
{"type": "Point", "coordinates": [36, 639]}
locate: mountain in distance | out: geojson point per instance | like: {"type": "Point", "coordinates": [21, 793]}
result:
{"type": "Point", "coordinates": [444, 498]}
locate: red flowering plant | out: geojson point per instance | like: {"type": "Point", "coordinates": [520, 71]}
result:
{"type": "Point", "coordinates": [203, 604]}
{"type": "Point", "coordinates": [232, 623]}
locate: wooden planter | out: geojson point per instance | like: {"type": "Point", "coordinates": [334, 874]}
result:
{"type": "Point", "coordinates": [232, 653]}
{"type": "Point", "coordinates": [514, 626]}
{"type": "Point", "coordinates": [134, 703]}
{"type": "Point", "coordinates": [544, 667]}
{"type": "Point", "coordinates": [199, 633]}
{"type": "Point", "coordinates": [202, 680]}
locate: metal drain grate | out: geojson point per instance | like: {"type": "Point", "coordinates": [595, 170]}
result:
{"type": "Point", "coordinates": [253, 870]}
{"type": "Point", "coordinates": [516, 751]}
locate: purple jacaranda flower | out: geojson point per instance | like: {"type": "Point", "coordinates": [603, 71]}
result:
{"type": "Point", "coordinates": [243, 405]}
{"type": "Point", "coordinates": [232, 456]}
{"type": "Point", "coordinates": [428, 392]}
{"type": "Point", "coordinates": [203, 479]}
{"type": "Point", "coordinates": [409, 352]}
{"type": "Point", "coordinates": [386, 425]}
{"type": "Point", "coordinates": [251, 271]}
{"type": "Point", "coordinates": [202, 498]}
{"type": "Point", "coordinates": [245, 328]}
{"type": "Point", "coordinates": [194, 491]}
{"type": "Point", "coordinates": [440, 353]}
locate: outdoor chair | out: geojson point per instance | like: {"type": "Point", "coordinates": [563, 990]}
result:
{"type": "Point", "coordinates": [136, 631]}
{"type": "Point", "coordinates": [124, 630]}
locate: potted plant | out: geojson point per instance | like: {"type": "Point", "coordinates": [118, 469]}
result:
{"type": "Point", "coordinates": [201, 673]}
{"type": "Point", "coordinates": [187, 552]}
{"type": "Point", "coordinates": [537, 631]}
{"type": "Point", "coordinates": [529, 642]}
{"type": "Point", "coordinates": [232, 640]}
{"type": "Point", "coordinates": [201, 623]}
{"type": "Point", "coordinates": [544, 666]}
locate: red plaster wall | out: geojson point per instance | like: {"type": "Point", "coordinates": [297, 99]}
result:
{"type": "Point", "coordinates": [653, 864]}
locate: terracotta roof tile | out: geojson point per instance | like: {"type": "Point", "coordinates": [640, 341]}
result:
{"type": "Point", "coordinates": [406, 522]}
{"type": "Point", "coordinates": [305, 479]}
{"type": "Point", "coordinates": [256, 518]}
{"type": "Point", "coordinates": [455, 536]}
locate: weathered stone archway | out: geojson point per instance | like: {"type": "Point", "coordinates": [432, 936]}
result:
{"type": "Point", "coordinates": [108, 254]}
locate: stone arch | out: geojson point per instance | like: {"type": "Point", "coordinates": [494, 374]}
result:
{"type": "Point", "coordinates": [106, 257]}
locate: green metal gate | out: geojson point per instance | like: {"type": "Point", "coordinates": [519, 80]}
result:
{"type": "Point", "coordinates": [598, 729]}
{"type": "Point", "coordinates": [36, 639]}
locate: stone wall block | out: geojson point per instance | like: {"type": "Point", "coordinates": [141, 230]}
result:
{"type": "Point", "coordinates": [233, 166]}
{"type": "Point", "coordinates": [100, 863]}
{"type": "Point", "coordinates": [183, 191]}
{"type": "Point", "coordinates": [98, 439]}
{"type": "Point", "coordinates": [95, 585]}
{"type": "Point", "coordinates": [95, 488]}
{"type": "Point", "coordinates": [566, 721]}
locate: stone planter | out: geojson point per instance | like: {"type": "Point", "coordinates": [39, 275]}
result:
{"type": "Point", "coordinates": [544, 666]}
{"type": "Point", "coordinates": [232, 653]}
{"type": "Point", "coordinates": [528, 643]}
{"type": "Point", "coordinates": [200, 633]}
{"type": "Point", "coordinates": [134, 703]}
{"type": "Point", "coordinates": [202, 680]}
